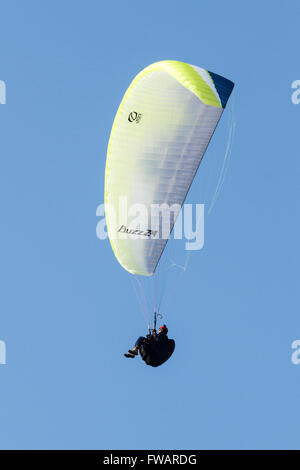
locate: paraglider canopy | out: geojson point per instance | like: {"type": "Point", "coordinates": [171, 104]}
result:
{"type": "Point", "coordinates": [159, 136]}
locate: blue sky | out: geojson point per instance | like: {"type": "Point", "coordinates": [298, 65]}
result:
{"type": "Point", "coordinates": [68, 310]}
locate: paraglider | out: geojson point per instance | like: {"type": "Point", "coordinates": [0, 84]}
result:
{"type": "Point", "coordinates": [159, 136]}
{"type": "Point", "coordinates": [155, 348]}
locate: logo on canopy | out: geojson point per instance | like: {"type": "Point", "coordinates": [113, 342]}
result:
{"type": "Point", "coordinates": [134, 117]}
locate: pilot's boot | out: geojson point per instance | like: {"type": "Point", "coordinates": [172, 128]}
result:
{"type": "Point", "coordinates": [134, 351]}
{"type": "Point", "coordinates": [129, 355]}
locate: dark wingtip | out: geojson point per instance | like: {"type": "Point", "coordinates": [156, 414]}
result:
{"type": "Point", "coordinates": [224, 87]}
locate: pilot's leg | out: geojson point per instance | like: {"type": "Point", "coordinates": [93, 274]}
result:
{"type": "Point", "coordinates": [134, 351]}
{"type": "Point", "coordinates": [137, 345]}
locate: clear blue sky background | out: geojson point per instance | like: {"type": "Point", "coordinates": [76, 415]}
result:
{"type": "Point", "coordinates": [67, 309]}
